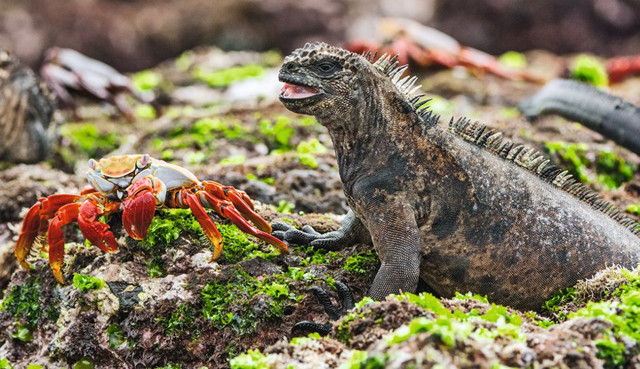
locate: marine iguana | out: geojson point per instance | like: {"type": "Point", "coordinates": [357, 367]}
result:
{"type": "Point", "coordinates": [609, 115]}
{"type": "Point", "coordinates": [26, 112]}
{"type": "Point", "coordinates": [463, 209]}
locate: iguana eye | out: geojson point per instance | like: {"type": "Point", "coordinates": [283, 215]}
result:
{"type": "Point", "coordinates": [326, 68]}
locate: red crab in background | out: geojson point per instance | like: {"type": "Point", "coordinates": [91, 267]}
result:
{"type": "Point", "coordinates": [422, 45]}
{"type": "Point", "coordinates": [135, 185]}
{"type": "Point", "coordinates": [66, 68]}
{"type": "Point", "coordinates": [622, 67]}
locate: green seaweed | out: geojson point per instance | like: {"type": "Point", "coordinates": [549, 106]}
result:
{"type": "Point", "coordinates": [252, 359]}
{"type": "Point", "coordinates": [5, 364]}
{"type": "Point", "coordinates": [22, 303]}
{"type": "Point", "coordinates": [361, 263]}
{"type": "Point", "coordinates": [278, 133]}
{"type": "Point", "coordinates": [586, 68]}
{"type": "Point", "coordinates": [85, 282]}
{"type": "Point", "coordinates": [612, 170]}
{"type": "Point", "coordinates": [169, 366]}
{"type": "Point", "coordinates": [84, 363]}
{"type": "Point", "coordinates": [307, 150]}
{"type": "Point", "coordinates": [145, 111]}
{"type": "Point", "coordinates": [23, 332]}
{"type": "Point", "coordinates": [238, 159]}
{"type": "Point", "coordinates": [363, 360]}
{"type": "Point", "coordinates": [228, 304]}
{"type": "Point", "coordinates": [116, 337]}
{"type": "Point", "coordinates": [155, 268]}
{"type": "Point", "coordinates": [224, 77]}
{"type": "Point", "coordinates": [285, 207]}
{"type": "Point", "coordinates": [573, 156]}
{"type": "Point", "coordinates": [237, 244]}
{"type": "Point", "coordinates": [447, 330]}
{"type": "Point", "coordinates": [167, 226]}
{"type": "Point", "coordinates": [559, 298]}
{"type": "Point", "coordinates": [86, 138]}
{"type": "Point", "coordinates": [513, 59]}
{"type": "Point", "coordinates": [634, 208]}
{"type": "Point", "coordinates": [146, 80]}
{"type": "Point", "coordinates": [182, 320]}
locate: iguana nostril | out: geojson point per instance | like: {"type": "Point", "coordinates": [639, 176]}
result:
{"type": "Point", "coordinates": [290, 67]}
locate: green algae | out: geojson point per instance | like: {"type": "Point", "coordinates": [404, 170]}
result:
{"type": "Point", "coordinates": [252, 359]}
{"type": "Point", "coordinates": [146, 80]}
{"type": "Point", "coordinates": [611, 170]}
{"type": "Point", "coordinates": [225, 77]}
{"type": "Point", "coordinates": [586, 68]}
{"type": "Point", "coordinates": [361, 263]}
{"type": "Point", "coordinates": [513, 59]}
{"type": "Point", "coordinates": [116, 336]}
{"type": "Point", "coordinates": [84, 363]}
{"type": "Point", "coordinates": [307, 150]}
{"type": "Point", "coordinates": [180, 321]}
{"type": "Point", "coordinates": [85, 282]}
{"type": "Point", "coordinates": [277, 133]}
{"type": "Point", "coordinates": [167, 226]}
{"type": "Point", "coordinates": [229, 303]}
{"type": "Point", "coordinates": [87, 139]}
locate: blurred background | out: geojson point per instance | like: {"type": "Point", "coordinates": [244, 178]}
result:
{"type": "Point", "coordinates": [136, 34]}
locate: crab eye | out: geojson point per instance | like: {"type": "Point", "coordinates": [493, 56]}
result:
{"type": "Point", "coordinates": [144, 161]}
{"type": "Point", "coordinates": [93, 164]}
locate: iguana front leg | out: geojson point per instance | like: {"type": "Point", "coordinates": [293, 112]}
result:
{"type": "Point", "coordinates": [396, 238]}
{"type": "Point", "coordinates": [351, 232]}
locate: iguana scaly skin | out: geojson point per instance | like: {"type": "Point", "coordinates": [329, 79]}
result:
{"type": "Point", "coordinates": [463, 209]}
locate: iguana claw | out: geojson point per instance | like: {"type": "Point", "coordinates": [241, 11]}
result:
{"type": "Point", "coordinates": [334, 312]}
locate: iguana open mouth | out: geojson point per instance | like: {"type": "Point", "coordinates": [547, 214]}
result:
{"type": "Point", "coordinates": [291, 91]}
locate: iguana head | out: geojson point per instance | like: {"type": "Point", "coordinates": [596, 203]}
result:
{"type": "Point", "coordinates": [342, 88]}
{"type": "Point", "coordinates": [320, 78]}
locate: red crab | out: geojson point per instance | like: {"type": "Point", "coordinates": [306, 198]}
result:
{"type": "Point", "coordinates": [423, 45]}
{"type": "Point", "coordinates": [66, 68]}
{"type": "Point", "coordinates": [622, 67]}
{"type": "Point", "coordinates": [137, 185]}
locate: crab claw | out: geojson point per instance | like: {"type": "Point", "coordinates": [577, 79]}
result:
{"type": "Point", "coordinates": [240, 200]}
{"type": "Point", "coordinates": [55, 238]}
{"type": "Point", "coordinates": [140, 205]}
{"type": "Point", "coordinates": [35, 223]}
{"type": "Point", "coordinates": [208, 226]}
{"type": "Point", "coordinates": [96, 232]}
{"type": "Point", "coordinates": [228, 211]}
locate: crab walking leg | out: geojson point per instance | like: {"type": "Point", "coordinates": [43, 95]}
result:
{"type": "Point", "coordinates": [208, 226]}
{"type": "Point", "coordinates": [240, 200]}
{"type": "Point", "coordinates": [35, 223]}
{"type": "Point", "coordinates": [140, 206]}
{"type": "Point", "coordinates": [220, 191]}
{"type": "Point", "coordinates": [227, 210]}
{"type": "Point", "coordinates": [55, 238]}
{"type": "Point", "coordinates": [96, 232]}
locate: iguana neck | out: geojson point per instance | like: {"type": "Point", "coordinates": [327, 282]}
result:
{"type": "Point", "coordinates": [365, 135]}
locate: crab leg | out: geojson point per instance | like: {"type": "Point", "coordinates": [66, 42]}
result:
{"type": "Point", "coordinates": [96, 232]}
{"type": "Point", "coordinates": [208, 226]}
{"type": "Point", "coordinates": [240, 200]}
{"type": "Point", "coordinates": [55, 238]}
{"type": "Point", "coordinates": [227, 210]}
{"type": "Point", "coordinates": [140, 205]}
{"type": "Point", "coordinates": [36, 221]}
